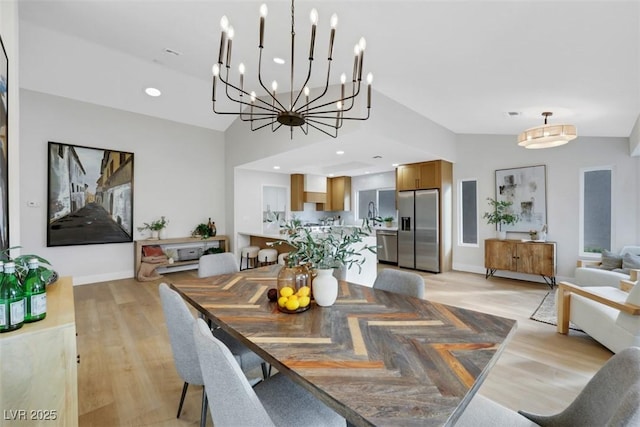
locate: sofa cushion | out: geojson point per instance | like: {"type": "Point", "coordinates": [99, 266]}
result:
{"type": "Point", "coordinates": [585, 276]}
{"type": "Point", "coordinates": [627, 321]}
{"type": "Point", "coordinates": [630, 261]}
{"type": "Point", "coordinates": [610, 260]}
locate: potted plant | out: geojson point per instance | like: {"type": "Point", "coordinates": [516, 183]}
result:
{"type": "Point", "coordinates": [327, 253]}
{"type": "Point", "coordinates": [501, 213]}
{"type": "Point", "coordinates": [202, 230]}
{"type": "Point", "coordinates": [155, 227]}
{"type": "Point", "coordinates": [388, 221]}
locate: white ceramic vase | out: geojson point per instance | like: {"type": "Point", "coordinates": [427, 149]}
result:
{"type": "Point", "coordinates": [325, 287]}
{"type": "Point", "coordinates": [162, 234]}
{"type": "Point", "coordinates": [502, 235]}
{"type": "Point", "coordinates": [154, 234]}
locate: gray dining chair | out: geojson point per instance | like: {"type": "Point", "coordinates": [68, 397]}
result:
{"type": "Point", "coordinates": [277, 402]}
{"type": "Point", "coordinates": [225, 263]}
{"type": "Point", "coordinates": [400, 282]}
{"type": "Point", "coordinates": [610, 398]}
{"type": "Point", "coordinates": [179, 323]}
{"type": "Point", "coordinates": [216, 264]}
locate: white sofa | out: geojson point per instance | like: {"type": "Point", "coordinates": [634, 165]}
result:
{"type": "Point", "coordinates": [611, 315]}
{"type": "Point", "coordinates": [588, 273]}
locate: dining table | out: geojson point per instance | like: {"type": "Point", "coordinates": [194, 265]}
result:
{"type": "Point", "coordinates": [377, 358]}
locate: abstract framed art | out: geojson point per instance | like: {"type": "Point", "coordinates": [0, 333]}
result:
{"type": "Point", "coordinates": [526, 187]}
{"type": "Point", "coordinates": [4, 149]}
{"type": "Point", "coordinates": [90, 195]}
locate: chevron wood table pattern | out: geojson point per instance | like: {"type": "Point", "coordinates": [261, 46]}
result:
{"type": "Point", "coordinates": [375, 357]}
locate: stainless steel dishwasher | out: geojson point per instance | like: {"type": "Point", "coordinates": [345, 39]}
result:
{"type": "Point", "coordinates": [387, 241]}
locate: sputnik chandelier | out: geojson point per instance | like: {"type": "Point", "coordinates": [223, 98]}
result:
{"type": "Point", "coordinates": [269, 110]}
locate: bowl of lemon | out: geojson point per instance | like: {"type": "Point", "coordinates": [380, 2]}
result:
{"type": "Point", "coordinates": [294, 289]}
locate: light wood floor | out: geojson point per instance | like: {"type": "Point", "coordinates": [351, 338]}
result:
{"type": "Point", "coordinates": [126, 375]}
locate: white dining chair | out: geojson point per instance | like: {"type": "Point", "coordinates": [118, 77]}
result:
{"type": "Point", "coordinates": [216, 264]}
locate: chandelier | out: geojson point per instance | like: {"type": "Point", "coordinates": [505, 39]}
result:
{"type": "Point", "coordinates": [302, 109]}
{"type": "Point", "coordinates": [547, 136]}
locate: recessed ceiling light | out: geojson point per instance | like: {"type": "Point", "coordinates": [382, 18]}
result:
{"type": "Point", "coordinates": [276, 167]}
{"type": "Point", "coordinates": [339, 152]}
{"type": "Point", "coordinates": [367, 172]}
{"type": "Point", "coordinates": [394, 164]}
{"type": "Point", "coordinates": [152, 91]}
{"type": "Point", "coordinates": [279, 61]}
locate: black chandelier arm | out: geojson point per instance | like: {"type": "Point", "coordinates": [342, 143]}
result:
{"type": "Point", "coordinates": [248, 104]}
{"type": "Point", "coordinates": [303, 85]}
{"type": "Point", "coordinates": [350, 97]}
{"type": "Point", "coordinates": [262, 84]}
{"type": "Point", "coordinates": [313, 117]}
{"type": "Point", "coordinates": [324, 131]}
{"type": "Point", "coordinates": [324, 92]}
{"type": "Point", "coordinates": [264, 125]}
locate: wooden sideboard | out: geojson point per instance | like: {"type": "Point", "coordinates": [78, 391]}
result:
{"type": "Point", "coordinates": [181, 242]}
{"type": "Point", "coordinates": [38, 365]}
{"type": "Point", "coordinates": [522, 257]}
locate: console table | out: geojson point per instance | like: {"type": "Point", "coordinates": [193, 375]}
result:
{"type": "Point", "coordinates": [182, 243]}
{"type": "Point", "coordinates": [526, 257]}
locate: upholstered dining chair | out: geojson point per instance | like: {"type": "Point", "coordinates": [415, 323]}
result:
{"type": "Point", "coordinates": [179, 323]}
{"type": "Point", "coordinates": [400, 282]}
{"type": "Point", "coordinates": [277, 402]}
{"type": "Point", "coordinates": [225, 263]}
{"type": "Point", "coordinates": [216, 264]}
{"type": "Point", "coordinates": [610, 398]}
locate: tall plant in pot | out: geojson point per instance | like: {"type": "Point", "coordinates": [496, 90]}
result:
{"type": "Point", "coordinates": [501, 213]}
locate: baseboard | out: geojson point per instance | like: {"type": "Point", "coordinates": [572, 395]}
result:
{"type": "Point", "coordinates": [87, 280]}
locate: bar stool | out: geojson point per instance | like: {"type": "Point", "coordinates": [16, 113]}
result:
{"type": "Point", "coordinates": [267, 256]}
{"type": "Point", "coordinates": [250, 253]}
{"type": "Point", "coordinates": [282, 258]}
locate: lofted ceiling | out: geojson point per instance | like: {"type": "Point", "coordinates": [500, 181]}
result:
{"type": "Point", "coordinates": [462, 64]}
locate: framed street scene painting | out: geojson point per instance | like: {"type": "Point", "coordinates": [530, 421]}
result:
{"type": "Point", "coordinates": [526, 187]}
{"type": "Point", "coordinates": [90, 195]}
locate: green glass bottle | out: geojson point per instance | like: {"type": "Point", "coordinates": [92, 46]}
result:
{"type": "Point", "coordinates": [35, 294]}
{"type": "Point", "coordinates": [11, 300]}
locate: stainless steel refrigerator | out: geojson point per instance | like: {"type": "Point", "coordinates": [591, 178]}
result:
{"type": "Point", "coordinates": [418, 237]}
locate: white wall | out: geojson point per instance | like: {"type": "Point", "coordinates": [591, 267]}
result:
{"type": "Point", "coordinates": [478, 156]}
{"type": "Point", "coordinates": [248, 203]}
{"type": "Point", "coordinates": [178, 173]}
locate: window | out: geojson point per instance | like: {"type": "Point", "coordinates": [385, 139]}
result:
{"type": "Point", "coordinates": [468, 209]}
{"type": "Point", "coordinates": [372, 203]}
{"type": "Point", "coordinates": [595, 210]}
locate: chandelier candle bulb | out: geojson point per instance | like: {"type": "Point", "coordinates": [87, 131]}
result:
{"type": "Point", "coordinates": [356, 53]}
{"type": "Point", "coordinates": [314, 22]}
{"type": "Point", "coordinates": [241, 71]}
{"type": "Point", "coordinates": [369, 81]}
{"type": "Point", "coordinates": [334, 24]}
{"type": "Point", "coordinates": [263, 15]}
{"type": "Point", "coordinates": [230, 34]}
{"type": "Point", "coordinates": [224, 24]}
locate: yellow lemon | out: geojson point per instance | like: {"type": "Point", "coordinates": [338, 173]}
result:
{"type": "Point", "coordinates": [304, 301]}
{"type": "Point", "coordinates": [304, 291]}
{"type": "Point", "coordinates": [292, 304]}
{"type": "Point", "coordinates": [286, 291]}
{"type": "Point", "coordinates": [294, 296]}
{"type": "Point", "coordinates": [282, 301]}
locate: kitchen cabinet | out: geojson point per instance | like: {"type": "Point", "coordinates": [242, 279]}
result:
{"type": "Point", "coordinates": [521, 257]}
{"type": "Point", "coordinates": [419, 176]}
{"type": "Point", "coordinates": [39, 365]}
{"type": "Point", "coordinates": [338, 194]}
{"type": "Point", "coordinates": [307, 189]}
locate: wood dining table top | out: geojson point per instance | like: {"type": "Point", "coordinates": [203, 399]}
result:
{"type": "Point", "coordinates": [375, 357]}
